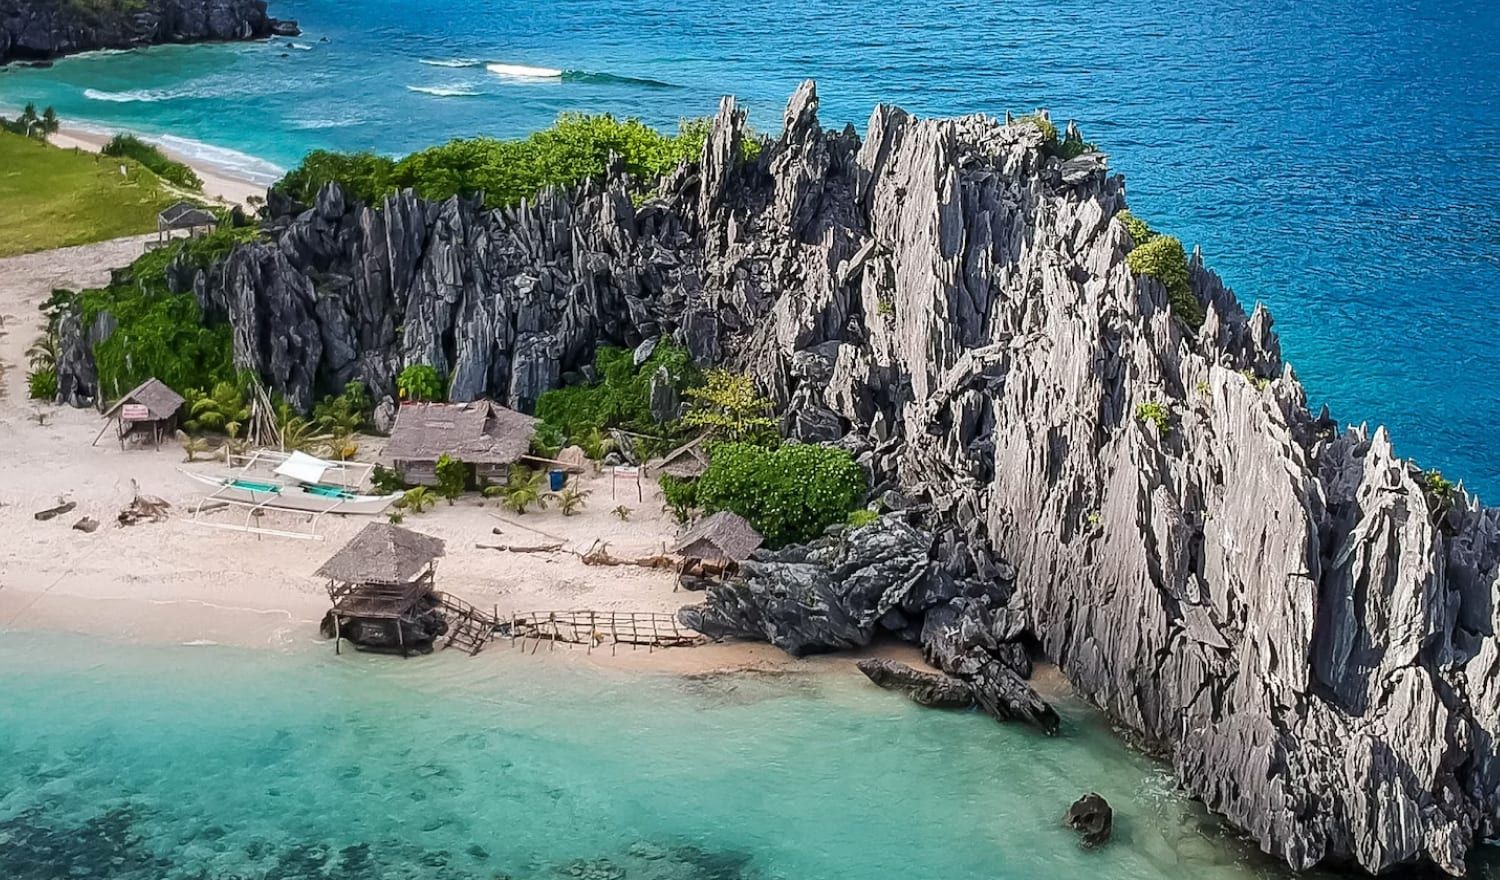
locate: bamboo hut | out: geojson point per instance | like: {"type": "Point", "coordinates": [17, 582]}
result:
{"type": "Point", "coordinates": [714, 547]}
{"type": "Point", "coordinates": [687, 462]}
{"type": "Point", "coordinates": [487, 437]}
{"type": "Point", "coordinates": [381, 587]}
{"type": "Point", "coordinates": [147, 412]}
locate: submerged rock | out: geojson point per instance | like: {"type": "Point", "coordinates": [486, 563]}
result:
{"type": "Point", "coordinates": [1298, 619]}
{"type": "Point", "coordinates": [1092, 818]}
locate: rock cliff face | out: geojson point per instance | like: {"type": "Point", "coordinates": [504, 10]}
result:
{"type": "Point", "coordinates": [33, 30]}
{"type": "Point", "coordinates": [1283, 607]}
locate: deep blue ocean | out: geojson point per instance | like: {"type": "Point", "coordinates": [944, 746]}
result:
{"type": "Point", "coordinates": [1337, 161]}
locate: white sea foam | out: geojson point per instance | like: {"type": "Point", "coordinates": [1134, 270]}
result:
{"type": "Point", "coordinates": [303, 46]}
{"type": "Point", "coordinates": [452, 91]}
{"type": "Point", "coordinates": [147, 95]}
{"type": "Point", "coordinates": [451, 62]}
{"type": "Point", "coordinates": [522, 71]}
{"type": "Point", "coordinates": [231, 162]}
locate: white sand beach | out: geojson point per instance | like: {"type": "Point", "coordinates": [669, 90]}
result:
{"type": "Point", "coordinates": [176, 582]}
{"type": "Point", "coordinates": [217, 183]}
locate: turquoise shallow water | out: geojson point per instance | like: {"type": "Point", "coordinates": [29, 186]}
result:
{"type": "Point", "coordinates": [149, 763]}
{"type": "Point", "coordinates": [1334, 160]}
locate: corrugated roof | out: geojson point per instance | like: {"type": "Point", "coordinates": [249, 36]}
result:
{"type": "Point", "coordinates": [155, 396]}
{"type": "Point", "coordinates": [481, 432]}
{"type": "Point", "coordinates": [724, 535]}
{"type": "Point", "coordinates": [384, 554]}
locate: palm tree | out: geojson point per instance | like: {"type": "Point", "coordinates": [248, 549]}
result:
{"type": "Point", "coordinates": [193, 446]}
{"type": "Point", "coordinates": [523, 490]}
{"type": "Point", "coordinates": [417, 500]}
{"type": "Point", "coordinates": [571, 499]}
{"type": "Point", "coordinates": [43, 352]}
{"type": "Point", "coordinates": [50, 123]}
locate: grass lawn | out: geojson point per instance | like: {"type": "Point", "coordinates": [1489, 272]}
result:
{"type": "Point", "coordinates": [51, 197]}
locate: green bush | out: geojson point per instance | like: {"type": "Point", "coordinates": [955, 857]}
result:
{"type": "Point", "coordinates": [420, 382]}
{"type": "Point", "coordinates": [452, 477]}
{"type": "Point", "coordinates": [223, 410]}
{"type": "Point", "coordinates": [386, 481]}
{"type": "Point", "coordinates": [790, 494]}
{"type": "Point", "coordinates": [862, 517]}
{"type": "Point", "coordinates": [576, 147]}
{"type": "Point", "coordinates": [680, 495]}
{"type": "Point", "coordinates": [1163, 258]}
{"type": "Point", "coordinates": [620, 398]}
{"type": "Point", "coordinates": [346, 413]}
{"type": "Point", "coordinates": [1070, 146]}
{"type": "Point", "coordinates": [1157, 414]}
{"type": "Point", "coordinates": [159, 334]}
{"type": "Point", "coordinates": [128, 146]}
{"type": "Point", "coordinates": [1140, 231]}
{"type": "Point", "coordinates": [42, 384]}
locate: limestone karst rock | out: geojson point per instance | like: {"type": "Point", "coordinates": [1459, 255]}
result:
{"type": "Point", "coordinates": [44, 29]}
{"type": "Point", "coordinates": [1290, 612]}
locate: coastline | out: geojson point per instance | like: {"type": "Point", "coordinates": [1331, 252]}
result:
{"type": "Point", "coordinates": [219, 183]}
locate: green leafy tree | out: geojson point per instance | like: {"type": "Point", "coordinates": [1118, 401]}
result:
{"type": "Point", "coordinates": [680, 495]}
{"type": "Point", "coordinates": [452, 477]}
{"type": "Point", "coordinates": [728, 407]}
{"type": "Point", "coordinates": [620, 398]}
{"type": "Point", "coordinates": [420, 382]}
{"type": "Point", "coordinates": [790, 494]}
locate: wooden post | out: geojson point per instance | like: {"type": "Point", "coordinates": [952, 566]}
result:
{"type": "Point", "coordinates": [337, 633]}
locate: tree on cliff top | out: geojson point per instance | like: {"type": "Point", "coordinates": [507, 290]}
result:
{"type": "Point", "coordinates": [576, 147]}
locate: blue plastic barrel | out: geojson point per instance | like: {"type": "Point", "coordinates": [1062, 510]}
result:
{"type": "Point", "coordinates": [557, 478]}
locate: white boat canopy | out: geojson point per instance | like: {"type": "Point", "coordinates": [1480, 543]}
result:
{"type": "Point", "coordinates": [305, 468]}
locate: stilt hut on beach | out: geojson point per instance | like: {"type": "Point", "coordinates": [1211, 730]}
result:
{"type": "Point", "coordinates": [381, 587]}
{"type": "Point", "coordinates": [148, 412]}
{"type": "Point", "coordinates": [713, 547]}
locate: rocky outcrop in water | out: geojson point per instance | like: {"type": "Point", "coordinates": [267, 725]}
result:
{"type": "Point", "coordinates": [1092, 818]}
{"type": "Point", "coordinates": [1298, 619]}
{"type": "Point", "coordinates": [32, 30]}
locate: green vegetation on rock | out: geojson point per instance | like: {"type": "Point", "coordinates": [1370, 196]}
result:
{"type": "Point", "coordinates": [158, 333]}
{"type": "Point", "coordinates": [619, 398]}
{"type": "Point", "coordinates": [790, 493]}
{"type": "Point", "coordinates": [128, 146]}
{"type": "Point", "coordinates": [727, 407]}
{"type": "Point", "coordinates": [1157, 414]}
{"type": "Point", "coordinates": [1162, 257]}
{"type": "Point", "coordinates": [576, 147]}
{"type": "Point", "coordinates": [420, 382]}
{"type": "Point", "coordinates": [56, 198]}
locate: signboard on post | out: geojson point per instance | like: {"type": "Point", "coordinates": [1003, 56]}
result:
{"type": "Point", "coordinates": [628, 475]}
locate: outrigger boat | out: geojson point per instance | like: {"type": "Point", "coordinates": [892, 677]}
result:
{"type": "Point", "coordinates": [307, 498]}
{"type": "Point", "coordinates": [298, 483]}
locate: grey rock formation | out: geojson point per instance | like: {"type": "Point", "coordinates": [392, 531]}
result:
{"type": "Point", "coordinates": [1283, 608]}
{"type": "Point", "coordinates": [932, 689]}
{"type": "Point", "coordinates": [43, 29]}
{"type": "Point", "coordinates": [1092, 818]}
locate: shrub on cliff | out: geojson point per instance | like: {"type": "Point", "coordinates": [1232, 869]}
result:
{"type": "Point", "coordinates": [159, 333]}
{"type": "Point", "coordinates": [1163, 258]}
{"type": "Point", "coordinates": [790, 494]}
{"type": "Point", "coordinates": [420, 382]}
{"type": "Point", "coordinates": [576, 147]}
{"type": "Point", "coordinates": [128, 146]}
{"type": "Point", "coordinates": [727, 407]}
{"type": "Point", "coordinates": [619, 398]}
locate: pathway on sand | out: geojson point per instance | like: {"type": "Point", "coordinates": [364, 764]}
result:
{"type": "Point", "coordinates": [26, 282]}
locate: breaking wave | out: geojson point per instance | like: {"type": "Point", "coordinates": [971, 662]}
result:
{"type": "Point", "coordinates": [452, 62]}
{"type": "Point", "coordinates": [528, 72]}
{"type": "Point", "coordinates": [453, 91]}
{"type": "Point", "coordinates": [146, 95]}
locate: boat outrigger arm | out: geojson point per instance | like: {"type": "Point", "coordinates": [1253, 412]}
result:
{"type": "Point", "coordinates": [257, 497]}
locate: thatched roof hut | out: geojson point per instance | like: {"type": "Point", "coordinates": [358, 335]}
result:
{"type": "Point", "coordinates": [184, 216]}
{"type": "Point", "coordinates": [384, 554]}
{"type": "Point", "coordinates": [150, 407]}
{"type": "Point", "coordinates": [724, 537]}
{"type": "Point", "coordinates": [481, 434]}
{"type": "Point", "coordinates": [686, 462]}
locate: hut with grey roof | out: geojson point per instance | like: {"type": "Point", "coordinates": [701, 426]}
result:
{"type": "Point", "coordinates": [713, 547]}
{"type": "Point", "coordinates": [184, 217]}
{"type": "Point", "coordinates": [381, 587]}
{"type": "Point", "coordinates": [484, 435]}
{"type": "Point", "coordinates": [687, 462]}
{"type": "Point", "coordinates": [148, 413]}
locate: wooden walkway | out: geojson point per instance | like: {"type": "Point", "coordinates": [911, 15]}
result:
{"type": "Point", "coordinates": [469, 628]}
{"type": "Point", "coordinates": [595, 628]}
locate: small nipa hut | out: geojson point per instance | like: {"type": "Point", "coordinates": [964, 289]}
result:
{"type": "Point", "coordinates": [148, 412]}
{"type": "Point", "coordinates": [687, 462]}
{"type": "Point", "coordinates": [484, 435]}
{"type": "Point", "coordinates": [184, 217]}
{"type": "Point", "coordinates": [381, 587]}
{"type": "Point", "coordinates": [713, 547]}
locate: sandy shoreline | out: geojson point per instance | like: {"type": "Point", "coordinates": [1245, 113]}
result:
{"type": "Point", "coordinates": [217, 182]}
{"type": "Point", "coordinates": [179, 583]}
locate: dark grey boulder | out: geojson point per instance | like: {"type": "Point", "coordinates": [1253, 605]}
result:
{"type": "Point", "coordinates": [1093, 819]}
{"type": "Point", "coordinates": [932, 689]}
